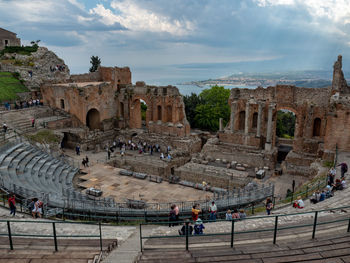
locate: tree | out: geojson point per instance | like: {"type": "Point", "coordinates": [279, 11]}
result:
{"type": "Point", "coordinates": [205, 110]}
{"type": "Point", "coordinates": [191, 102]}
{"type": "Point", "coordinates": [95, 63]}
{"type": "Point", "coordinates": [285, 124]}
{"type": "Point", "coordinates": [35, 43]}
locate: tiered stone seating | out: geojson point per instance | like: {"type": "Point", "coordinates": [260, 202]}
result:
{"type": "Point", "coordinates": [27, 167]}
{"type": "Point", "coordinates": [330, 248]}
{"type": "Point", "coordinates": [40, 250]}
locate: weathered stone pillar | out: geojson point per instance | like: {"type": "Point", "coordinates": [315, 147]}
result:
{"type": "Point", "coordinates": [258, 128]}
{"type": "Point", "coordinates": [246, 125]}
{"type": "Point", "coordinates": [220, 124]}
{"type": "Point", "coordinates": [268, 145]}
{"type": "Point", "coordinates": [232, 116]}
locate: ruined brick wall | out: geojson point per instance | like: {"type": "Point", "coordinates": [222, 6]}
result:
{"type": "Point", "coordinates": [338, 127]}
{"type": "Point", "coordinates": [165, 109]}
{"type": "Point", "coordinates": [79, 100]}
{"type": "Point", "coordinates": [308, 104]}
{"type": "Point", "coordinates": [87, 77]}
{"type": "Point", "coordinates": [116, 75]}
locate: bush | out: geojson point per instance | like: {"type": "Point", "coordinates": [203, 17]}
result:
{"type": "Point", "coordinates": [44, 136]}
{"type": "Point", "coordinates": [27, 50]}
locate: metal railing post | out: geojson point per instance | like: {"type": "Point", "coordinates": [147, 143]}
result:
{"type": "Point", "coordinates": [9, 233]}
{"type": "Point", "coordinates": [141, 237]}
{"type": "Point", "coordinates": [349, 226]}
{"type": "Point", "coordinates": [54, 235]}
{"type": "Point", "coordinates": [232, 231]}
{"type": "Point", "coordinates": [186, 228]}
{"type": "Point", "coordinates": [275, 231]}
{"type": "Point", "coordinates": [315, 223]}
{"type": "Point", "coordinates": [99, 226]}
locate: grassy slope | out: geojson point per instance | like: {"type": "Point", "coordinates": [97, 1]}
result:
{"type": "Point", "coordinates": [9, 86]}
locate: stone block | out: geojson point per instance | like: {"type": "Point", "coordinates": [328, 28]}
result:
{"type": "Point", "coordinates": [240, 168]}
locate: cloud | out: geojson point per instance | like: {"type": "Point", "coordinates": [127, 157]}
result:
{"type": "Point", "coordinates": [136, 18]}
{"type": "Point", "coordinates": [337, 11]}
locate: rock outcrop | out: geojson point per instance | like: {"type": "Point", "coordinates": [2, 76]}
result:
{"type": "Point", "coordinates": [40, 67]}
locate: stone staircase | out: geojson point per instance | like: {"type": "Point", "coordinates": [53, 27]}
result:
{"type": "Point", "coordinates": [325, 249]}
{"type": "Point", "coordinates": [40, 250]}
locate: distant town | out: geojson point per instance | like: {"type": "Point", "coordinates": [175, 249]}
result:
{"type": "Point", "coordinates": [308, 79]}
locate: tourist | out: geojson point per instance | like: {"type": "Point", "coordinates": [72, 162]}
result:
{"type": "Point", "coordinates": [235, 214]}
{"type": "Point", "coordinates": [343, 169]}
{"type": "Point", "coordinates": [108, 153]}
{"type": "Point", "coordinates": [299, 203]}
{"type": "Point", "coordinates": [338, 185]}
{"type": "Point", "coordinates": [213, 210]}
{"type": "Point", "coordinates": [343, 183]}
{"type": "Point", "coordinates": [268, 206]}
{"type": "Point", "coordinates": [228, 215]}
{"type": "Point", "coordinates": [195, 212]}
{"type": "Point", "coordinates": [33, 123]}
{"type": "Point", "coordinates": [169, 157]}
{"type": "Point", "coordinates": [12, 204]}
{"type": "Point", "coordinates": [4, 127]}
{"type": "Point", "coordinates": [328, 191]}
{"type": "Point", "coordinates": [177, 213]}
{"type": "Point", "coordinates": [162, 156]}
{"type": "Point", "coordinates": [242, 214]}
{"type": "Point", "coordinates": [87, 161]}
{"type": "Point", "coordinates": [322, 196]}
{"type": "Point", "coordinates": [172, 216]}
{"type": "Point", "coordinates": [315, 198]}
{"type": "Point", "coordinates": [198, 228]}
{"type": "Point", "coordinates": [77, 149]}
{"type": "Point", "coordinates": [182, 231]}
{"type": "Point", "coordinates": [38, 208]}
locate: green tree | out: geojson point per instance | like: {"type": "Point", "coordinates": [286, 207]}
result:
{"type": "Point", "coordinates": [205, 110]}
{"type": "Point", "coordinates": [285, 124]}
{"type": "Point", "coordinates": [95, 63]}
{"type": "Point", "coordinates": [191, 102]}
{"type": "Point", "coordinates": [143, 110]}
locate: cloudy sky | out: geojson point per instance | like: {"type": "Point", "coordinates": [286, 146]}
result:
{"type": "Point", "coordinates": [186, 39]}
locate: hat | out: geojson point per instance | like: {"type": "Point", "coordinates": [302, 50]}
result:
{"type": "Point", "coordinates": [199, 221]}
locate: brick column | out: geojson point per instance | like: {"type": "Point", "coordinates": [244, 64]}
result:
{"type": "Point", "coordinates": [246, 125]}
{"type": "Point", "coordinates": [232, 116]}
{"type": "Point", "coordinates": [258, 128]}
{"type": "Point", "coordinates": [268, 145]}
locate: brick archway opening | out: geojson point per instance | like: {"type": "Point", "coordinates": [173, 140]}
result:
{"type": "Point", "coordinates": [138, 113]}
{"type": "Point", "coordinates": [93, 119]}
{"type": "Point", "coordinates": [285, 131]}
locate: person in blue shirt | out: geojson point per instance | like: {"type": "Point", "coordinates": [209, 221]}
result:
{"type": "Point", "coordinates": [198, 228]}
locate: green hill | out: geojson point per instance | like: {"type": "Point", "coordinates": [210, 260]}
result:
{"type": "Point", "coordinates": [10, 86]}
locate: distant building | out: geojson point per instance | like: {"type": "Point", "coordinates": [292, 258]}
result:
{"type": "Point", "coordinates": [8, 38]}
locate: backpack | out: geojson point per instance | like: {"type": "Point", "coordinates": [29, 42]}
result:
{"type": "Point", "coordinates": [40, 204]}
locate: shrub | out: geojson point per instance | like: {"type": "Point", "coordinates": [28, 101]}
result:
{"type": "Point", "coordinates": [27, 50]}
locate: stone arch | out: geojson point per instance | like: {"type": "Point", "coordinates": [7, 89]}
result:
{"type": "Point", "coordinates": [135, 112]}
{"type": "Point", "coordinates": [93, 119]}
{"type": "Point", "coordinates": [159, 112]}
{"type": "Point", "coordinates": [169, 113]}
{"type": "Point", "coordinates": [317, 127]}
{"type": "Point", "coordinates": [241, 120]}
{"type": "Point", "coordinates": [255, 120]}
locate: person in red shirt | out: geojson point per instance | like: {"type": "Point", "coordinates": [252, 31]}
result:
{"type": "Point", "coordinates": [12, 205]}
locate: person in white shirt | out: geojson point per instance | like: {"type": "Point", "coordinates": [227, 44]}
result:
{"type": "Point", "coordinates": [213, 210]}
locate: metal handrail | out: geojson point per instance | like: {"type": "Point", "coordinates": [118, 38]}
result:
{"type": "Point", "coordinates": [232, 233]}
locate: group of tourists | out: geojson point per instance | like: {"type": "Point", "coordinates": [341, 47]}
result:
{"type": "Point", "coordinates": [57, 67]}
{"type": "Point", "coordinates": [332, 185]}
{"type": "Point", "coordinates": [235, 214]}
{"type": "Point", "coordinates": [140, 146]}
{"type": "Point", "coordinates": [35, 206]}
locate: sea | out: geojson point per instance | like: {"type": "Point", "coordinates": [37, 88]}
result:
{"type": "Point", "coordinates": [179, 80]}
